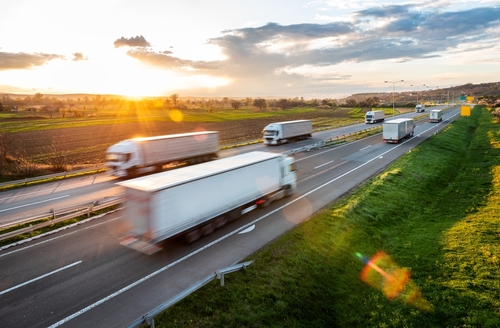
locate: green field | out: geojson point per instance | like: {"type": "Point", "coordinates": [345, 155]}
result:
{"type": "Point", "coordinates": [435, 212]}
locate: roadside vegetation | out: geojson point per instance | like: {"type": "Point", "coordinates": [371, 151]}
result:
{"type": "Point", "coordinates": [435, 212]}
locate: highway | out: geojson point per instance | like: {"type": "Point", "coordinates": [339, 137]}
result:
{"type": "Point", "coordinates": [82, 277]}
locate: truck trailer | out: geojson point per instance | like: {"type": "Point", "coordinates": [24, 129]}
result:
{"type": "Point", "coordinates": [283, 132]}
{"type": "Point", "coordinates": [435, 115]}
{"type": "Point", "coordinates": [395, 130]}
{"type": "Point", "coordinates": [374, 116]}
{"type": "Point", "coordinates": [134, 157]}
{"type": "Point", "coordinates": [192, 201]}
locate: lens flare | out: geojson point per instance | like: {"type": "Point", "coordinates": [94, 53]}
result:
{"type": "Point", "coordinates": [383, 274]}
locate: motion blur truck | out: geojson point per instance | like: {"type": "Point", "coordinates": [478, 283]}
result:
{"type": "Point", "coordinates": [192, 201]}
{"type": "Point", "coordinates": [133, 157]}
{"type": "Point", "coordinates": [374, 116]}
{"type": "Point", "coordinates": [283, 132]}
{"type": "Point", "coordinates": [435, 115]}
{"type": "Point", "coordinates": [395, 130]}
{"type": "Point", "coordinates": [420, 108]}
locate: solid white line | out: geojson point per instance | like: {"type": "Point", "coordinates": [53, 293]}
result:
{"type": "Point", "coordinates": [35, 279]}
{"type": "Point", "coordinates": [323, 164]}
{"type": "Point", "coordinates": [365, 147]}
{"type": "Point", "coordinates": [42, 201]}
{"type": "Point", "coordinates": [124, 289]}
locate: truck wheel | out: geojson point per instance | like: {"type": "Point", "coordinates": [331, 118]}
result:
{"type": "Point", "coordinates": [288, 192]}
{"type": "Point", "coordinates": [193, 236]}
{"type": "Point", "coordinates": [220, 221]}
{"type": "Point", "coordinates": [265, 202]}
{"type": "Point", "coordinates": [207, 229]}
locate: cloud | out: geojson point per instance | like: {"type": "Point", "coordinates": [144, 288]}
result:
{"type": "Point", "coordinates": [77, 56]}
{"type": "Point", "coordinates": [21, 60]}
{"type": "Point", "coordinates": [275, 54]}
{"type": "Point", "coordinates": [164, 60]}
{"type": "Point", "coordinates": [138, 41]}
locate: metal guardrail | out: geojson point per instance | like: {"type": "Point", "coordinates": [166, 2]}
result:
{"type": "Point", "coordinates": [149, 318]}
{"type": "Point", "coordinates": [59, 215]}
{"type": "Point", "coordinates": [63, 175]}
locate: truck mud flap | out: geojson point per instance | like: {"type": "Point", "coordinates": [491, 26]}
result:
{"type": "Point", "coordinates": [139, 245]}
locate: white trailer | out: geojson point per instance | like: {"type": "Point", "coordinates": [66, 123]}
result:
{"type": "Point", "coordinates": [283, 132]}
{"type": "Point", "coordinates": [133, 157]}
{"type": "Point", "coordinates": [374, 116]}
{"type": "Point", "coordinates": [395, 130]}
{"type": "Point", "coordinates": [435, 115]}
{"type": "Point", "coordinates": [194, 200]}
{"type": "Point", "coordinates": [420, 108]}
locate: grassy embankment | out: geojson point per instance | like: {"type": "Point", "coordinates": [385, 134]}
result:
{"type": "Point", "coordinates": [435, 211]}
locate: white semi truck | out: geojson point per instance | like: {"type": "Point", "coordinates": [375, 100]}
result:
{"type": "Point", "coordinates": [420, 108]}
{"type": "Point", "coordinates": [435, 115]}
{"type": "Point", "coordinates": [395, 130]}
{"type": "Point", "coordinates": [132, 157]}
{"type": "Point", "coordinates": [194, 200]}
{"type": "Point", "coordinates": [374, 116]}
{"type": "Point", "coordinates": [283, 132]}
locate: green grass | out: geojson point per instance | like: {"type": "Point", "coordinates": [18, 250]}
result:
{"type": "Point", "coordinates": [435, 211]}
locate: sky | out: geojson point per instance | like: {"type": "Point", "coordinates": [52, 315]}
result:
{"type": "Point", "coordinates": [235, 48]}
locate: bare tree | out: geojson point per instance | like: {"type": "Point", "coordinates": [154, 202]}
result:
{"type": "Point", "coordinates": [235, 104]}
{"type": "Point", "coordinates": [174, 98]}
{"type": "Point", "coordinates": [260, 103]}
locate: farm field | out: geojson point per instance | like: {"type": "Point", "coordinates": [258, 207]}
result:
{"type": "Point", "coordinates": [83, 141]}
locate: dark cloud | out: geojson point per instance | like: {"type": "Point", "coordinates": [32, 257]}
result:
{"type": "Point", "coordinates": [20, 60]}
{"type": "Point", "coordinates": [138, 41]}
{"type": "Point", "coordinates": [77, 56]}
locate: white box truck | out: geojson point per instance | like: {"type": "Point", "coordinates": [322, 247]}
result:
{"type": "Point", "coordinates": [420, 108]}
{"type": "Point", "coordinates": [132, 157]}
{"type": "Point", "coordinates": [435, 115]}
{"type": "Point", "coordinates": [374, 116]}
{"type": "Point", "coordinates": [194, 200]}
{"type": "Point", "coordinates": [283, 132]}
{"type": "Point", "coordinates": [395, 130]}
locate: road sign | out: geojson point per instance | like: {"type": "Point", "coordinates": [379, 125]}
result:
{"type": "Point", "coordinates": [465, 111]}
{"type": "Point", "coordinates": [462, 98]}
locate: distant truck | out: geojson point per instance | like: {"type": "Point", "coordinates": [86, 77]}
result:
{"type": "Point", "coordinates": [374, 116]}
{"type": "Point", "coordinates": [420, 108]}
{"type": "Point", "coordinates": [283, 132]}
{"type": "Point", "coordinates": [435, 115]}
{"type": "Point", "coordinates": [133, 157]}
{"type": "Point", "coordinates": [395, 130]}
{"type": "Point", "coordinates": [192, 201]}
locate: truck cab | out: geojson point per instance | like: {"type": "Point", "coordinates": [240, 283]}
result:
{"type": "Point", "coordinates": [420, 108]}
{"type": "Point", "coordinates": [272, 134]}
{"type": "Point", "coordinates": [122, 157]}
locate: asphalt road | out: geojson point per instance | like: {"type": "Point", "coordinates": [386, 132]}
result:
{"type": "Point", "coordinates": [82, 277]}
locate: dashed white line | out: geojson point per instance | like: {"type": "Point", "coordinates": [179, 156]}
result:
{"type": "Point", "coordinates": [323, 164]}
{"type": "Point", "coordinates": [43, 276]}
{"type": "Point", "coordinates": [42, 201]}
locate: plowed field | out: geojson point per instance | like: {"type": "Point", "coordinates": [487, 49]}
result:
{"type": "Point", "coordinates": [87, 145]}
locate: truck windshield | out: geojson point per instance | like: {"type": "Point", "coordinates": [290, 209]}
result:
{"type": "Point", "coordinates": [112, 157]}
{"type": "Point", "coordinates": [270, 133]}
{"type": "Point", "coordinates": [368, 115]}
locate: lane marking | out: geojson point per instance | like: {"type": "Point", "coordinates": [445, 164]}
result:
{"type": "Point", "coordinates": [365, 147]}
{"type": "Point", "coordinates": [247, 230]}
{"type": "Point", "coordinates": [155, 273]}
{"type": "Point", "coordinates": [323, 164]}
{"type": "Point", "coordinates": [42, 201]}
{"type": "Point", "coordinates": [43, 276]}
{"type": "Point", "coordinates": [182, 259]}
